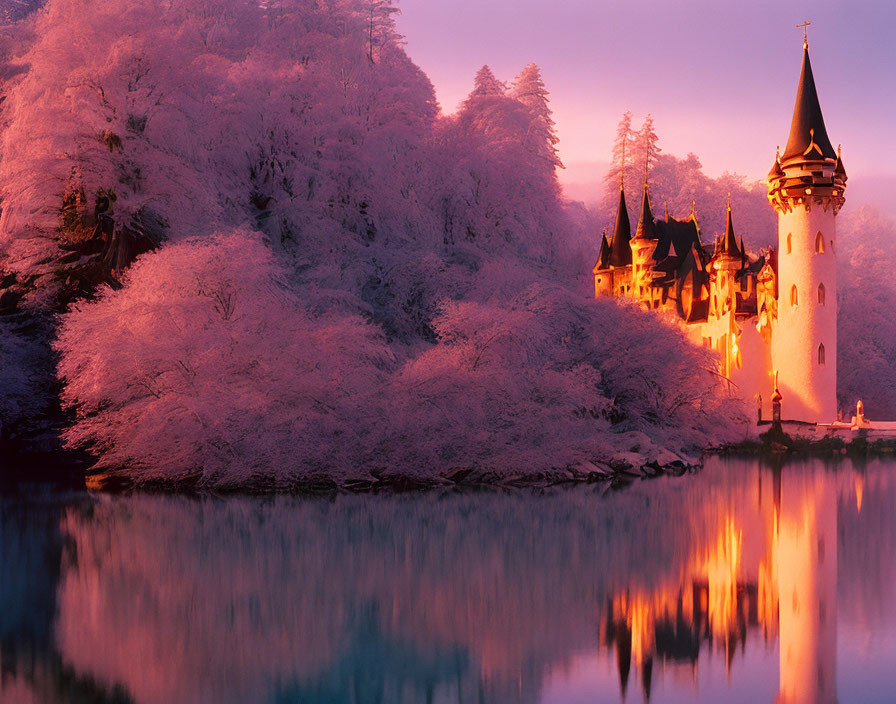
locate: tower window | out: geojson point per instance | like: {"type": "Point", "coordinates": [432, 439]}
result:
{"type": "Point", "coordinates": [794, 298]}
{"type": "Point", "coordinates": [821, 294]}
{"type": "Point", "coordinates": [821, 355]}
{"type": "Point", "coordinates": [789, 242]}
{"type": "Point", "coordinates": [819, 243]}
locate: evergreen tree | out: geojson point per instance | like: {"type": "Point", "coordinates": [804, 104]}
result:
{"type": "Point", "coordinates": [645, 151]}
{"type": "Point", "coordinates": [379, 18]}
{"type": "Point", "coordinates": [622, 159]}
{"type": "Point", "coordinates": [529, 89]}
{"type": "Point", "coordinates": [485, 83]}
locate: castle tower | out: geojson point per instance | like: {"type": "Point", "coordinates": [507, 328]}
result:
{"type": "Point", "coordinates": [613, 271]}
{"type": "Point", "coordinates": [643, 245]}
{"type": "Point", "coordinates": [806, 186]}
{"type": "Point", "coordinates": [727, 261]}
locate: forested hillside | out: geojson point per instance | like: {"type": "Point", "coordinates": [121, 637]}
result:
{"type": "Point", "coordinates": [332, 275]}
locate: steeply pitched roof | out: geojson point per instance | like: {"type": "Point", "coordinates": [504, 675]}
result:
{"type": "Point", "coordinates": [838, 169]}
{"type": "Point", "coordinates": [620, 250]}
{"type": "Point", "coordinates": [604, 261]}
{"type": "Point", "coordinates": [646, 229]}
{"type": "Point", "coordinates": [775, 171]}
{"type": "Point", "coordinates": [729, 241]}
{"type": "Point", "coordinates": [675, 235]}
{"type": "Point", "coordinates": [808, 136]}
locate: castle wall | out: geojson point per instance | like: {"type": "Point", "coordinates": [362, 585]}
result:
{"type": "Point", "coordinates": [809, 389]}
{"type": "Point", "coordinates": [745, 360]}
{"type": "Point", "coordinates": [603, 283]}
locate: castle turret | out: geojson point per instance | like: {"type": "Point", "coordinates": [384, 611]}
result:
{"type": "Point", "coordinates": [805, 187]}
{"type": "Point", "coordinates": [603, 283]}
{"type": "Point", "coordinates": [613, 271]}
{"type": "Point", "coordinates": [643, 246]}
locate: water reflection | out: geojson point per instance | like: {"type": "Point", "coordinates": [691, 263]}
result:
{"type": "Point", "coordinates": [742, 583]}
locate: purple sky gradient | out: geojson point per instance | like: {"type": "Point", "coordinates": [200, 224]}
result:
{"type": "Point", "coordinates": [719, 77]}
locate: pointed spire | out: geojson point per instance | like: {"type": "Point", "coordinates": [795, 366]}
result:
{"type": "Point", "coordinates": [646, 229]}
{"type": "Point", "coordinates": [808, 138]}
{"type": "Point", "coordinates": [839, 170]}
{"type": "Point", "coordinates": [666, 211]}
{"type": "Point", "coordinates": [775, 172]}
{"type": "Point", "coordinates": [694, 210]}
{"type": "Point", "coordinates": [620, 251]}
{"type": "Point", "coordinates": [729, 242]}
{"type": "Point", "coordinates": [604, 260]}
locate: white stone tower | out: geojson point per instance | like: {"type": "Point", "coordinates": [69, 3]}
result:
{"type": "Point", "coordinates": [806, 187]}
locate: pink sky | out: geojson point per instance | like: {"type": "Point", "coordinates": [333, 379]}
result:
{"type": "Point", "coordinates": [719, 77]}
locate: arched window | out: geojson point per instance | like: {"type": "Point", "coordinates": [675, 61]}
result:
{"type": "Point", "coordinates": [819, 243]}
{"type": "Point", "coordinates": [789, 242]}
{"type": "Point", "coordinates": [821, 294]}
{"type": "Point", "coordinates": [821, 355]}
{"type": "Point", "coordinates": [794, 299]}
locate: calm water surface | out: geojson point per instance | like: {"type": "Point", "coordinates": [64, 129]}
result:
{"type": "Point", "coordinates": [738, 584]}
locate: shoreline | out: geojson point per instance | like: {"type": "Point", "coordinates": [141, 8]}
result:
{"type": "Point", "coordinates": [71, 471]}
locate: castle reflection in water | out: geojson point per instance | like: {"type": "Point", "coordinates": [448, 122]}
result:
{"type": "Point", "coordinates": [739, 583]}
{"type": "Point", "coordinates": [772, 570]}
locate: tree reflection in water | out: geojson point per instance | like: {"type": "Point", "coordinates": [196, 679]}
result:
{"type": "Point", "coordinates": [465, 598]}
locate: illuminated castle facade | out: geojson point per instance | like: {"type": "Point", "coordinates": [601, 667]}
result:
{"type": "Point", "coordinates": [772, 315]}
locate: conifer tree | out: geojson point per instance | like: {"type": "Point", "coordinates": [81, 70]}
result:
{"type": "Point", "coordinates": [645, 150]}
{"type": "Point", "coordinates": [622, 159]}
{"type": "Point", "coordinates": [486, 83]}
{"type": "Point", "coordinates": [379, 17]}
{"type": "Point", "coordinates": [529, 89]}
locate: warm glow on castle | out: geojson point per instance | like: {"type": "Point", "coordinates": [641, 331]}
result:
{"type": "Point", "coordinates": [768, 315]}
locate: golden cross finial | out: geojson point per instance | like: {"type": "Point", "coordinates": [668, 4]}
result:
{"type": "Point", "coordinates": [805, 28]}
{"type": "Point", "coordinates": [729, 201]}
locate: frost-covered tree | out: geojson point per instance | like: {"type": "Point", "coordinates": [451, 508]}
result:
{"type": "Point", "coordinates": [366, 238]}
{"type": "Point", "coordinates": [621, 160]}
{"type": "Point", "coordinates": [866, 331]}
{"type": "Point", "coordinates": [485, 83]}
{"type": "Point", "coordinates": [210, 367]}
{"type": "Point", "coordinates": [529, 89]}
{"type": "Point", "coordinates": [645, 148]}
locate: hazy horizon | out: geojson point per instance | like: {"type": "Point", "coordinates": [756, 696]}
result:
{"type": "Point", "coordinates": [720, 81]}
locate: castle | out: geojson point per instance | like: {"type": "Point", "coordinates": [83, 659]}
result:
{"type": "Point", "coordinates": [772, 318]}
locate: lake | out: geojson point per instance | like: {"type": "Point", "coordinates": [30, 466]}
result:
{"type": "Point", "coordinates": [742, 582]}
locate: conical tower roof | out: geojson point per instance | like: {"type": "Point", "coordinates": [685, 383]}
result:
{"type": "Point", "coordinates": [776, 172]}
{"type": "Point", "coordinates": [729, 241]}
{"type": "Point", "coordinates": [839, 170]}
{"type": "Point", "coordinates": [808, 136]}
{"type": "Point", "coordinates": [620, 249]}
{"type": "Point", "coordinates": [646, 228]}
{"type": "Point", "coordinates": [604, 260]}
